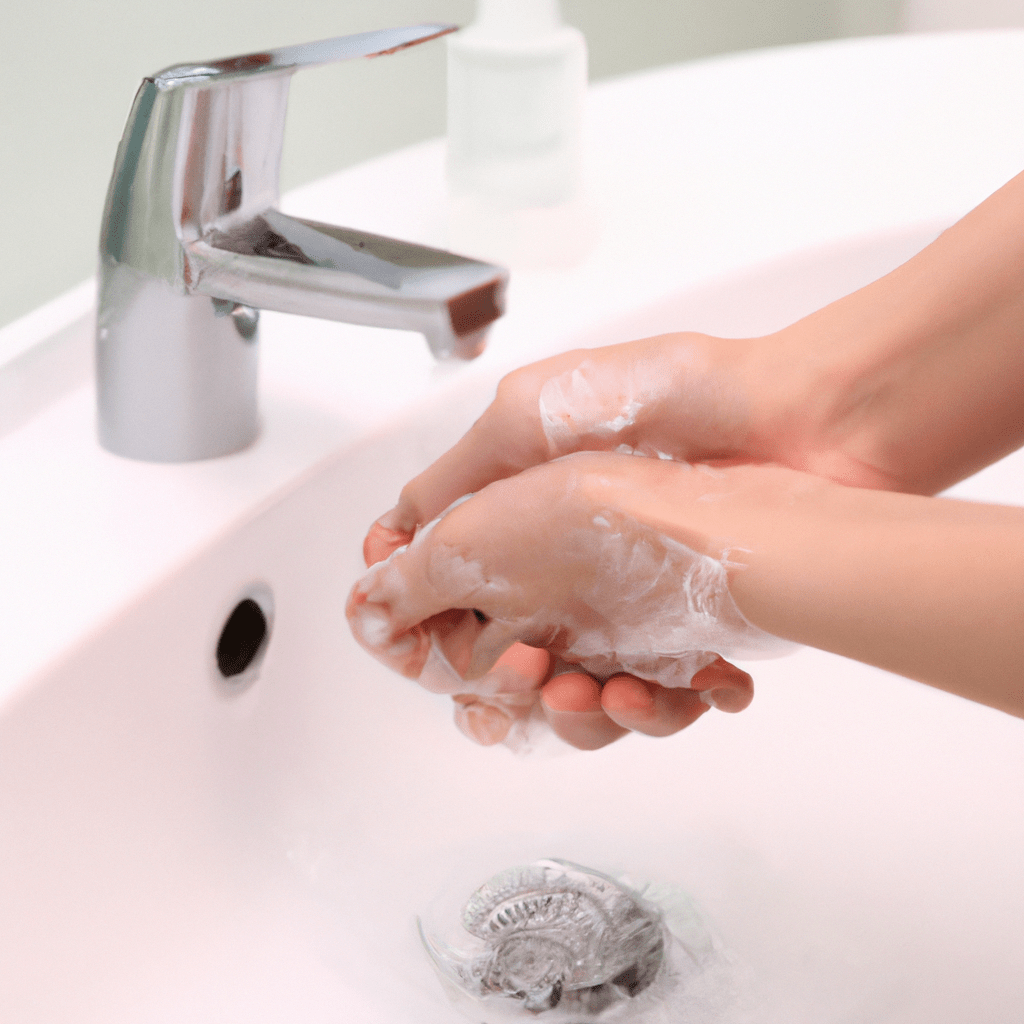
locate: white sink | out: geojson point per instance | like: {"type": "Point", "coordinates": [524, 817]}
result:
{"type": "Point", "coordinates": [174, 847]}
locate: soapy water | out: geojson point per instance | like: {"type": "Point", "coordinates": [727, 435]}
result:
{"type": "Point", "coordinates": [668, 407]}
{"type": "Point", "coordinates": [565, 944]}
{"type": "Point", "coordinates": [668, 614]}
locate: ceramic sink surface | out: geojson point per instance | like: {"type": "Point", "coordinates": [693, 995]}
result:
{"type": "Point", "coordinates": [177, 848]}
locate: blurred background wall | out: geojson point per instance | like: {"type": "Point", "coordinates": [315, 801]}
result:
{"type": "Point", "coordinates": [70, 71]}
{"type": "Point", "coordinates": [946, 15]}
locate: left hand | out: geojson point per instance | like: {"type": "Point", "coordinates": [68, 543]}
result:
{"type": "Point", "coordinates": [544, 559]}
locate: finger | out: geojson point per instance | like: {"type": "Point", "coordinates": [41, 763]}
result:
{"type": "Point", "coordinates": [572, 707]}
{"type": "Point", "coordinates": [416, 612]}
{"type": "Point", "coordinates": [504, 696]}
{"type": "Point", "coordinates": [655, 710]}
{"type": "Point", "coordinates": [400, 617]}
{"type": "Point", "coordinates": [521, 669]}
{"type": "Point", "coordinates": [482, 723]}
{"type": "Point", "coordinates": [381, 543]}
{"type": "Point", "coordinates": [724, 686]}
{"type": "Point", "coordinates": [481, 457]}
{"type": "Point", "coordinates": [648, 708]}
{"type": "Point", "coordinates": [505, 440]}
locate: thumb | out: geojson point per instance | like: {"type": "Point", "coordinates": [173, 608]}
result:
{"type": "Point", "coordinates": [723, 686]}
{"type": "Point", "coordinates": [382, 541]}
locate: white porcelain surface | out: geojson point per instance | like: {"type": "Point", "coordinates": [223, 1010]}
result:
{"type": "Point", "coordinates": [172, 850]}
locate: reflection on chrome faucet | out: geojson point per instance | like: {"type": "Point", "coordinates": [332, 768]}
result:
{"type": "Point", "coordinates": [192, 247]}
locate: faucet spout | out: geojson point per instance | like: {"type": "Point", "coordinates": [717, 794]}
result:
{"type": "Point", "coordinates": [294, 265]}
{"type": "Point", "coordinates": [193, 246]}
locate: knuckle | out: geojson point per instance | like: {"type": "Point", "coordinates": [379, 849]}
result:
{"type": "Point", "coordinates": [516, 390]}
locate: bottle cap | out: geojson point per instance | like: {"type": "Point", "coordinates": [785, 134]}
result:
{"type": "Point", "coordinates": [520, 19]}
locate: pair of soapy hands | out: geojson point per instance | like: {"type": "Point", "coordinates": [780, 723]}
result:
{"type": "Point", "coordinates": [506, 578]}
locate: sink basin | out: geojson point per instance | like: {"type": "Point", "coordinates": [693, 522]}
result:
{"type": "Point", "coordinates": [180, 846]}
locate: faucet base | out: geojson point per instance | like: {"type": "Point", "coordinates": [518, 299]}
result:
{"type": "Point", "coordinates": [176, 374]}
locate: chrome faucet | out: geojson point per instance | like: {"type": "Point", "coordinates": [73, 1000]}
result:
{"type": "Point", "coordinates": [193, 246]}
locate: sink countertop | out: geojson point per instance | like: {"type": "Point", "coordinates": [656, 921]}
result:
{"type": "Point", "coordinates": [695, 172]}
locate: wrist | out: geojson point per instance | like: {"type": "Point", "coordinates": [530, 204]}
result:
{"type": "Point", "coordinates": [827, 385]}
{"type": "Point", "coordinates": [795, 393]}
{"type": "Point", "coordinates": [724, 512]}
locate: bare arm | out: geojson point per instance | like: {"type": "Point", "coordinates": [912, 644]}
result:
{"type": "Point", "coordinates": [929, 588]}
{"type": "Point", "coordinates": [917, 380]}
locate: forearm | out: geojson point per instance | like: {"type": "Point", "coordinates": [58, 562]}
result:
{"type": "Point", "coordinates": [929, 588]}
{"type": "Point", "coordinates": [913, 382]}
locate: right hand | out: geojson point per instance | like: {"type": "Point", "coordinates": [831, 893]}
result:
{"type": "Point", "coordinates": [690, 397]}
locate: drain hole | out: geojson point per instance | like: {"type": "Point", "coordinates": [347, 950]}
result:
{"type": "Point", "coordinates": [241, 638]}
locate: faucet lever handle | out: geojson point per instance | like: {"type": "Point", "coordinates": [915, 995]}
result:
{"type": "Point", "coordinates": [202, 147]}
{"type": "Point", "coordinates": [288, 59]}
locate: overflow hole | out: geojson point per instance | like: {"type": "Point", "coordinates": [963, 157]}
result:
{"type": "Point", "coordinates": [241, 638]}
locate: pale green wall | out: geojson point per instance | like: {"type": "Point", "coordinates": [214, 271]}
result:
{"type": "Point", "coordinates": [70, 71]}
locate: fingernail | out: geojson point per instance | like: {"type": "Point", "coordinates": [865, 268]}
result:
{"type": "Point", "coordinates": [373, 628]}
{"type": "Point", "coordinates": [391, 520]}
{"type": "Point", "coordinates": [371, 625]}
{"type": "Point", "coordinates": [382, 542]}
{"type": "Point", "coordinates": [482, 723]}
{"type": "Point", "coordinates": [633, 703]}
{"type": "Point", "coordinates": [573, 693]}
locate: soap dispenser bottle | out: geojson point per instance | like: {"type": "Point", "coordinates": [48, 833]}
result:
{"type": "Point", "coordinates": [516, 82]}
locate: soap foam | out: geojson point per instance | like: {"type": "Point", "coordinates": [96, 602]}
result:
{"type": "Point", "coordinates": [657, 609]}
{"type": "Point", "coordinates": [671, 404]}
{"type": "Point", "coordinates": [591, 405]}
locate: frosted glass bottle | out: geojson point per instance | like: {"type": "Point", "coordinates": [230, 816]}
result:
{"type": "Point", "coordinates": [516, 81]}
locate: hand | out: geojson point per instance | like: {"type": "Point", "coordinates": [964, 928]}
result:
{"type": "Point", "coordinates": [687, 396]}
{"type": "Point", "coordinates": [547, 559]}
{"type": "Point", "coordinates": [908, 384]}
{"type": "Point", "coordinates": [527, 685]}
